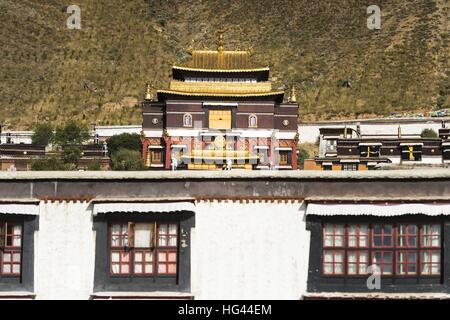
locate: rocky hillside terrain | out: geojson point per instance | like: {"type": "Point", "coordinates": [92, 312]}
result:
{"type": "Point", "coordinates": [340, 68]}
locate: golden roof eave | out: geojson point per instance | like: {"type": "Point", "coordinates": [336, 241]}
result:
{"type": "Point", "coordinates": [205, 94]}
{"type": "Point", "coordinates": [221, 70]}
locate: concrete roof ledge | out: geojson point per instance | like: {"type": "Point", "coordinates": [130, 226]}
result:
{"type": "Point", "coordinates": [420, 174]}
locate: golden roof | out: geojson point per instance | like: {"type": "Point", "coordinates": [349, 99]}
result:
{"type": "Point", "coordinates": [208, 60]}
{"type": "Point", "coordinates": [237, 95]}
{"type": "Point", "coordinates": [220, 60]}
{"type": "Point", "coordinates": [220, 87]}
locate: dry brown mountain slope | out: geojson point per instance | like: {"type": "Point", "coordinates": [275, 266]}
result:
{"type": "Point", "coordinates": [99, 72]}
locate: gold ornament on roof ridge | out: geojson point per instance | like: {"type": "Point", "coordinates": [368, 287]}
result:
{"type": "Point", "coordinates": [293, 95]}
{"type": "Point", "coordinates": [148, 93]}
{"type": "Point", "coordinates": [221, 42]}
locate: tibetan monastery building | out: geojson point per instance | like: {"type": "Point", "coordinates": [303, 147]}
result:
{"type": "Point", "coordinates": [220, 112]}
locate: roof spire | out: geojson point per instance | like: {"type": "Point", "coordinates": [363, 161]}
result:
{"type": "Point", "coordinates": [220, 43]}
{"type": "Point", "coordinates": [293, 95]}
{"type": "Point", "coordinates": [148, 93]}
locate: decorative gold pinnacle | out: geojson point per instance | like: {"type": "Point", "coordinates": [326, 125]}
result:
{"type": "Point", "coordinates": [221, 42]}
{"type": "Point", "coordinates": [148, 93]}
{"type": "Point", "coordinates": [293, 95]}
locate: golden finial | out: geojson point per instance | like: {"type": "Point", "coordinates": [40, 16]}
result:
{"type": "Point", "coordinates": [148, 93]}
{"type": "Point", "coordinates": [191, 46]}
{"type": "Point", "coordinates": [220, 44]}
{"type": "Point", "coordinates": [250, 51]}
{"type": "Point", "coordinates": [293, 95]}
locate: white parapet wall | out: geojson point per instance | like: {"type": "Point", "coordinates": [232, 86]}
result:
{"type": "Point", "coordinates": [249, 250]}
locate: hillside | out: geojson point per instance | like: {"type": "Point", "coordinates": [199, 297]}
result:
{"type": "Point", "coordinates": [99, 72]}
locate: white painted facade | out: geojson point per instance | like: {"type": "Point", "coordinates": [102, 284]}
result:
{"type": "Point", "coordinates": [64, 251]}
{"type": "Point", "coordinates": [256, 250]}
{"type": "Point", "coordinates": [249, 251]}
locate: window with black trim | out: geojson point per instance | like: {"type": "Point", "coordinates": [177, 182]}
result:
{"type": "Point", "coordinates": [350, 166]}
{"type": "Point", "coordinates": [397, 249]}
{"type": "Point", "coordinates": [147, 248]}
{"type": "Point", "coordinates": [143, 251]}
{"type": "Point", "coordinates": [369, 151]}
{"type": "Point", "coordinates": [411, 153]}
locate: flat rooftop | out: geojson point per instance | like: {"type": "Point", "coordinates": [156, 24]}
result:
{"type": "Point", "coordinates": [428, 173]}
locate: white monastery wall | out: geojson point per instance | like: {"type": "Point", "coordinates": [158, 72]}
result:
{"type": "Point", "coordinates": [249, 251]}
{"type": "Point", "coordinates": [64, 251]}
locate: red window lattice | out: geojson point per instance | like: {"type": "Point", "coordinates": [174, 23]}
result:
{"type": "Point", "coordinates": [333, 262]}
{"type": "Point", "coordinates": [407, 236]}
{"type": "Point", "coordinates": [402, 249]}
{"type": "Point", "coordinates": [144, 255]}
{"type": "Point", "coordinates": [382, 235]}
{"type": "Point", "coordinates": [333, 235]}
{"type": "Point", "coordinates": [10, 248]}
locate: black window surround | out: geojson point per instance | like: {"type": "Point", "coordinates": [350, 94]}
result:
{"type": "Point", "coordinates": [372, 151]}
{"type": "Point", "coordinates": [411, 153]}
{"type": "Point", "coordinates": [320, 282]}
{"type": "Point", "coordinates": [24, 281]}
{"type": "Point", "coordinates": [105, 281]}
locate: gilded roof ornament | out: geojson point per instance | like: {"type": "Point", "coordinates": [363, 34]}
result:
{"type": "Point", "coordinates": [221, 42]}
{"type": "Point", "coordinates": [191, 47]}
{"type": "Point", "coordinates": [293, 95]}
{"type": "Point", "coordinates": [250, 51]}
{"type": "Point", "coordinates": [148, 93]}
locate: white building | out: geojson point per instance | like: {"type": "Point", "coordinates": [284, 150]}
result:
{"type": "Point", "coordinates": [221, 235]}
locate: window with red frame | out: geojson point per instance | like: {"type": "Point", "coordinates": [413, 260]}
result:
{"type": "Point", "coordinates": [143, 248]}
{"type": "Point", "coordinates": [384, 260]}
{"type": "Point", "coordinates": [430, 238]}
{"type": "Point", "coordinates": [333, 262]}
{"type": "Point", "coordinates": [382, 235]}
{"type": "Point", "coordinates": [406, 262]}
{"type": "Point", "coordinates": [357, 262]}
{"type": "Point", "coordinates": [396, 249]}
{"type": "Point", "coordinates": [10, 248]}
{"type": "Point", "coordinates": [333, 235]}
{"type": "Point", "coordinates": [167, 243]}
{"type": "Point", "coordinates": [407, 235]}
{"type": "Point", "coordinates": [358, 235]}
